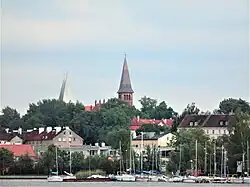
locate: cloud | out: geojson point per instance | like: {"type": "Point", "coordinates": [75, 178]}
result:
{"type": "Point", "coordinates": [112, 24]}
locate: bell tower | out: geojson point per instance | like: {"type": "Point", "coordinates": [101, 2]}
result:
{"type": "Point", "coordinates": [125, 91]}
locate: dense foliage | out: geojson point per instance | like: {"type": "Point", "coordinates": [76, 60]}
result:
{"type": "Point", "coordinates": [110, 124]}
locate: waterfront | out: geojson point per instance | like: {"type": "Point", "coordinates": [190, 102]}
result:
{"type": "Point", "coordinates": [44, 183]}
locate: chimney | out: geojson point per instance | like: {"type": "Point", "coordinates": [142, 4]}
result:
{"type": "Point", "coordinates": [7, 130]}
{"type": "Point", "coordinates": [58, 129]}
{"type": "Point", "coordinates": [95, 102]}
{"type": "Point", "coordinates": [40, 130]}
{"type": "Point", "coordinates": [20, 130]}
{"type": "Point", "coordinates": [138, 118]}
{"type": "Point", "coordinates": [48, 129]}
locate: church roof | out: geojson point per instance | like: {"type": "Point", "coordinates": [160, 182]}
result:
{"type": "Point", "coordinates": [125, 83]}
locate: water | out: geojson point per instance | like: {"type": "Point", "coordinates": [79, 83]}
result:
{"type": "Point", "coordinates": [44, 183]}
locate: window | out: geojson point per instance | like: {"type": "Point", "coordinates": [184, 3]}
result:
{"type": "Point", "coordinates": [59, 139]}
{"type": "Point", "coordinates": [225, 131]}
{"type": "Point", "coordinates": [212, 131]}
{"type": "Point", "coordinates": [64, 132]}
{"type": "Point", "coordinates": [191, 123]}
{"type": "Point", "coordinates": [221, 123]}
{"type": "Point", "coordinates": [70, 139]}
{"type": "Point", "coordinates": [207, 131]}
{"type": "Point", "coordinates": [196, 123]}
{"type": "Point", "coordinates": [226, 123]}
{"type": "Point", "coordinates": [74, 139]}
{"type": "Point", "coordinates": [69, 132]}
{"type": "Point", "coordinates": [219, 131]}
{"type": "Point", "coordinates": [64, 140]}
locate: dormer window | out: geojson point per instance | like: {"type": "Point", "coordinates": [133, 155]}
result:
{"type": "Point", "coordinates": [196, 123]}
{"type": "Point", "coordinates": [221, 123]}
{"type": "Point", "coordinates": [191, 123]}
{"type": "Point", "coordinates": [226, 123]}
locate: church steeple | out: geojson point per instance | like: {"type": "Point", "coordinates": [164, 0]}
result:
{"type": "Point", "coordinates": [125, 91]}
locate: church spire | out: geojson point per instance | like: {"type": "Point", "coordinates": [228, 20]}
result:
{"type": "Point", "coordinates": [125, 83]}
{"type": "Point", "coordinates": [63, 88]}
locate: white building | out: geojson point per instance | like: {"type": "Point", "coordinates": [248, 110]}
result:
{"type": "Point", "coordinates": [214, 125]}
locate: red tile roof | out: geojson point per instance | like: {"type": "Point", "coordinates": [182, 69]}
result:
{"type": "Point", "coordinates": [35, 136]}
{"type": "Point", "coordinates": [137, 123]}
{"type": "Point", "coordinates": [20, 150]}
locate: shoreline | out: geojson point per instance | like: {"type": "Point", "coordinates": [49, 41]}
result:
{"type": "Point", "coordinates": [27, 177]}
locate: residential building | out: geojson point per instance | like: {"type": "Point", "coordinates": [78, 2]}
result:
{"type": "Point", "coordinates": [92, 150]}
{"type": "Point", "coordinates": [214, 125]}
{"type": "Point", "coordinates": [162, 142]}
{"type": "Point", "coordinates": [62, 137]}
{"type": "Point", "coordinates": [10, 138]}
{"type": "Point", "coordinates": [137, 122]}
{"type": "Point", "coordinates": [21, 150]}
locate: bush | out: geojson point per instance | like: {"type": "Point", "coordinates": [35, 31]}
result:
{"type": "Point", "coordinates": [86, 173]}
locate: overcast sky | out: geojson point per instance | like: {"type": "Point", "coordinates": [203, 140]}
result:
{"type": "Point", "coordinates": [180, 51]}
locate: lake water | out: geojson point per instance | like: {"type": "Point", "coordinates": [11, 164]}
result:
{"type": "Point", "coordinates": [44, 183]}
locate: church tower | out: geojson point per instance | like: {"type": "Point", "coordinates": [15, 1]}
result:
{"type": "Point", "coordinates": [125, 92]}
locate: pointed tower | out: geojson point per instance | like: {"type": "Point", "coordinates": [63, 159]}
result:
{"type": "Point", "coordinates": [63, 88]}
{"type": "Point", "coordinates": [125, 92]}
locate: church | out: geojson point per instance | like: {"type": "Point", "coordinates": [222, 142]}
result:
{"type": "Point", "coordinates": [125, 91]}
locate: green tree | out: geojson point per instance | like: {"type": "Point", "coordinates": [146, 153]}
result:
{"type": "Point", "coordinates": [185, 141]}
{"type": "Point", "coordinates": [25, 165]}
{"type": "Point", "coordinates": [10, 118]}
{"type": "Point", "coordinates": [231, 105]}
{"type": "Point", "coordinates": [6, 160]}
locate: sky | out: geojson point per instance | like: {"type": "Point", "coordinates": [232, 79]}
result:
{"type": "Point", "coordinates": [179, 51]}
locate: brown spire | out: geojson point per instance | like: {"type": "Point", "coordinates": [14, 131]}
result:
{"type": "Point", "coordinates": [125, 83]}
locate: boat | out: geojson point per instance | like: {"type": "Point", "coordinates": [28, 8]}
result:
{"type": "Point", "coordinates": [55, 177]}
{"type": "Point", "coordinates": [68, 176]}
{"type": "Point", "coordinates": [125, 177]}
{"type": "Point", "coordinates": [176, 179]}
{"type": "Point", "coordinates": [246, 180]}
{"type": "Point", "coordinates": [189, 179]}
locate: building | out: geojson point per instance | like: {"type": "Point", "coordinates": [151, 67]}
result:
{"type": "Point", "coordinates": [62, 137]}
{"type": "Point", "coordinates": [125, 91]}
{"type": "Point", "coordinates": [21, 150]}
{"type": "Point", "coordinates": [162, 142]}
{"type": "Point", "coordinates": [137, 122]}
{"type": "Point", "coordinates": [92, 150]}
{"type": "Point", "coordinates": [10, 138]}
{"type": "Point", "coordinates": [214, 125]}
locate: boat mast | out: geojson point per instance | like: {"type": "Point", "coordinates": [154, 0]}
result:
{"type": "Point", "coordinates": [56, 162]}
{"type": "Point", "coordinates": [225, 163]}
{"type": "Point", "coordinates": [141, 151]}
{"type": "Point", "coordinates": [196, 158]}
{"type": "Point", "coordinates": [205, 162]}
{"type": "Point", "coordinates": [130, 153]}
{"type": "Point", "coordinates": [221, 168]}
{"type": "Point", "coordinates": [180, 160]}
{"type": "Point", "coordinates": [120, 148]}
{"type": "Point", "coordinates": [248, 166]}
{"type": "Point", "coordinates": [215, 159]}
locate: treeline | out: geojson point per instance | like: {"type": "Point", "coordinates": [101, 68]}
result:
{"type": "Point", "coordinates": [110, 124]}
{"type": "Point", "coordinates": [46, 164]}
{"type": "Point", "coordinates": [213, 152]}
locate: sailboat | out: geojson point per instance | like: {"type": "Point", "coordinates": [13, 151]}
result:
{"type": "Point", "coordinates": [121, 176]}
{"type": "Point", "coordinates": [56, 177]}
{"type": "Point", "coordinates": [69, 176]}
